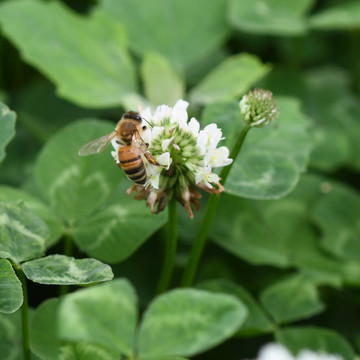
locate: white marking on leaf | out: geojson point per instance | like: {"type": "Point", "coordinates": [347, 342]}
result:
{"type": "Point", "coordinates": [4, 112]}
{"type": "Point", "coordinates": [18, 226]}
{"type": "Point", "coordinates": [119, 213]}
{"type": "Point", "coordinates": [61, 181]}
{"type": "Point", "coordinates": [99, 179]}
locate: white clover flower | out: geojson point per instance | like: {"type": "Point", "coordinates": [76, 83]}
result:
{"type": "Point", "coordinates": [188, 156]}
{"type": "Point", "coordinates": [275, 351]}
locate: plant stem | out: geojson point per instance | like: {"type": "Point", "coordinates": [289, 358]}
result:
{"type": "Point", "coordinates": [234, 152]}
{"type": "Point", "coordinates": [209, 214]}
{"type": "Point", "coordinates": [170, 248]}
{"type": "Point", "coordinates": [24, 315]}
{"type": "Point", "coordinates": [68, 247]}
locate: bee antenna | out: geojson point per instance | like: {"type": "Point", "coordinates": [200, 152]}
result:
{"type": "Point", "coordinates": [147, 121]}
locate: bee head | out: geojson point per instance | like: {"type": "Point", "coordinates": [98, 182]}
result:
{"type": "Point", "coordinates": [129, 123]}
{"type": "Point", "coordinates": [132, 115]}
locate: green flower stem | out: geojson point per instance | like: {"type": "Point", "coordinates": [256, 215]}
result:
{"type": "Point", "coordinates": [170, 248]}
{"type": "Point", "coordinates": [24, 315]}
{"type": "Point", "coordinates": [209, 214]}
{"type": "Point", "coordinates": [234, 152]}
{"type": "Point", "coordinates": [68, 249]}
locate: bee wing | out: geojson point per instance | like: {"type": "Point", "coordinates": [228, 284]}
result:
{"type": "Point", "coordinates": [138, 145]}
{"type": "Point", "coordinates": [98, 145]}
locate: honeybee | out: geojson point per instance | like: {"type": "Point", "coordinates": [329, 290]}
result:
{"type": "Point", "coordinates": [132, 147]}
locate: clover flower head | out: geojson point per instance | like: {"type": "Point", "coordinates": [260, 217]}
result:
{"type": "Point", "coordinates": [187, 156]}
{"type": "Point", "coordinates": [258, 108]}
{"type": "Point", "coordinates": [274, 351]}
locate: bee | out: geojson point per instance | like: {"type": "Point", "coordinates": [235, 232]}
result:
{"type": "Point", "coordinates": [132, 147]}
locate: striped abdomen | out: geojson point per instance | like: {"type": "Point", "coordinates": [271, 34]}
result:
{"type": "Point", "coordinates": [132, 165]}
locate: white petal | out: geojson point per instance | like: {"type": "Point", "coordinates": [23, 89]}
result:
{"type": "Point", "coordinates": [209, 185]}
{"type": "Point", "coordinates": [146, 114]}
{"type": "Point", "coordinates": [165, 144]}
{"type": "Point", "coordinates": [220, 157]}
{"type": "Point", "coordinates": [155, 179]}
{"type": "Point", "coordinates": [164, 159]}
{"type": "Point", "coordinates": [214, 134]}
{"type": "Point", "coordinates": [201, 175]}
{"type": "Point", "coordinates": [179, 113]}
{"type": "Point", "coordinates": [161, 112]}
{"type": "Point", "coordinates": [194, 127]}
{"type": "Point", "coordinates": [274, 352]}
{"type": "Point", "coordinates": [202, 141]}
{"type": "Point", "coordinates": [181, 123]}
{"type": "Point", "coordinates": [146, 135]}
{"type": "Point", "coordinates": [156, 131]}
{"type": "Point", "coordinates": [181, 104]}
{"type": "Point", "coordinates": [212, 178]}
{"type": "Point", "coordinates": [207, 156]}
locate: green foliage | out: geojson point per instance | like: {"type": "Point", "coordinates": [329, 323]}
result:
{"type": "Point", "coordinates": [45, 342]}
{"type": "Point", "coordinates": [78, 188]}
{"type": "Point", "coordinates": [10, 336]}
{"type": "Point", "coordinates": [106, 316]}
{"type": "Point", "coordinates": [162, 84]}
{"type": "Point", "coordinates": [276, 17]}
{"type": "Point", "coordinates": [39, 208]}
{"type": "Point", "coordinates": [22, 234]}
{"type": "Point", "coordinates": [42, 112]}
{"type": "Point", "coordinates": [75, 186]}
{"type": "Point", "coordinates": [178, 38]}
{"type": "Point", "coordinates": [11, 296]}
{"type": "Point", "coordinates": [188, 321]}
{"type": "Point", "coordinates": [340, 224]}
{"type": "Point", "coordinates": [292, 299]}
{"type": "Point", "coordinates": [64, 270]}
{"type": "Point", "coordinates": [285, 243]}
{"type": "Point", "coordinates": [326, 96]}
{"type": "Point", "coordinates": [341, 16]}
{"type": "Point", "coordinates": [7, 128]}
{"type": "Point", "coordinates": [272, 158]}
{"type": "Point", "coordinates": [257, 321]}
{"type": "Point", "coordinates": [230, 79]}
{"type": "Point", "coordinates": [280, 243]}
{"type": "Point", "coordinates": [317, 339]}
{"type": "Point", "coordinates": [115, 230]}
{"type": "Point", "coordinates": [91, 52]}
{"type": "Point", "coordinates": [84, 351]}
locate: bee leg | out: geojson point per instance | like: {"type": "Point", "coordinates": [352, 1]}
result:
{"type": "Point", "coordinates": [150, 158]}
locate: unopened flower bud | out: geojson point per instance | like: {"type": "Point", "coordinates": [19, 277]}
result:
{"type": "Point", "coordinates": [258, 108]}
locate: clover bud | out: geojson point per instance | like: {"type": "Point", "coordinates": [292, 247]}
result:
{"type": "Point", "coordinates": [258, 108]}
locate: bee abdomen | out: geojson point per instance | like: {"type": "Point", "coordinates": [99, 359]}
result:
{"type": "Point", "coordinates": [134, 169]}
